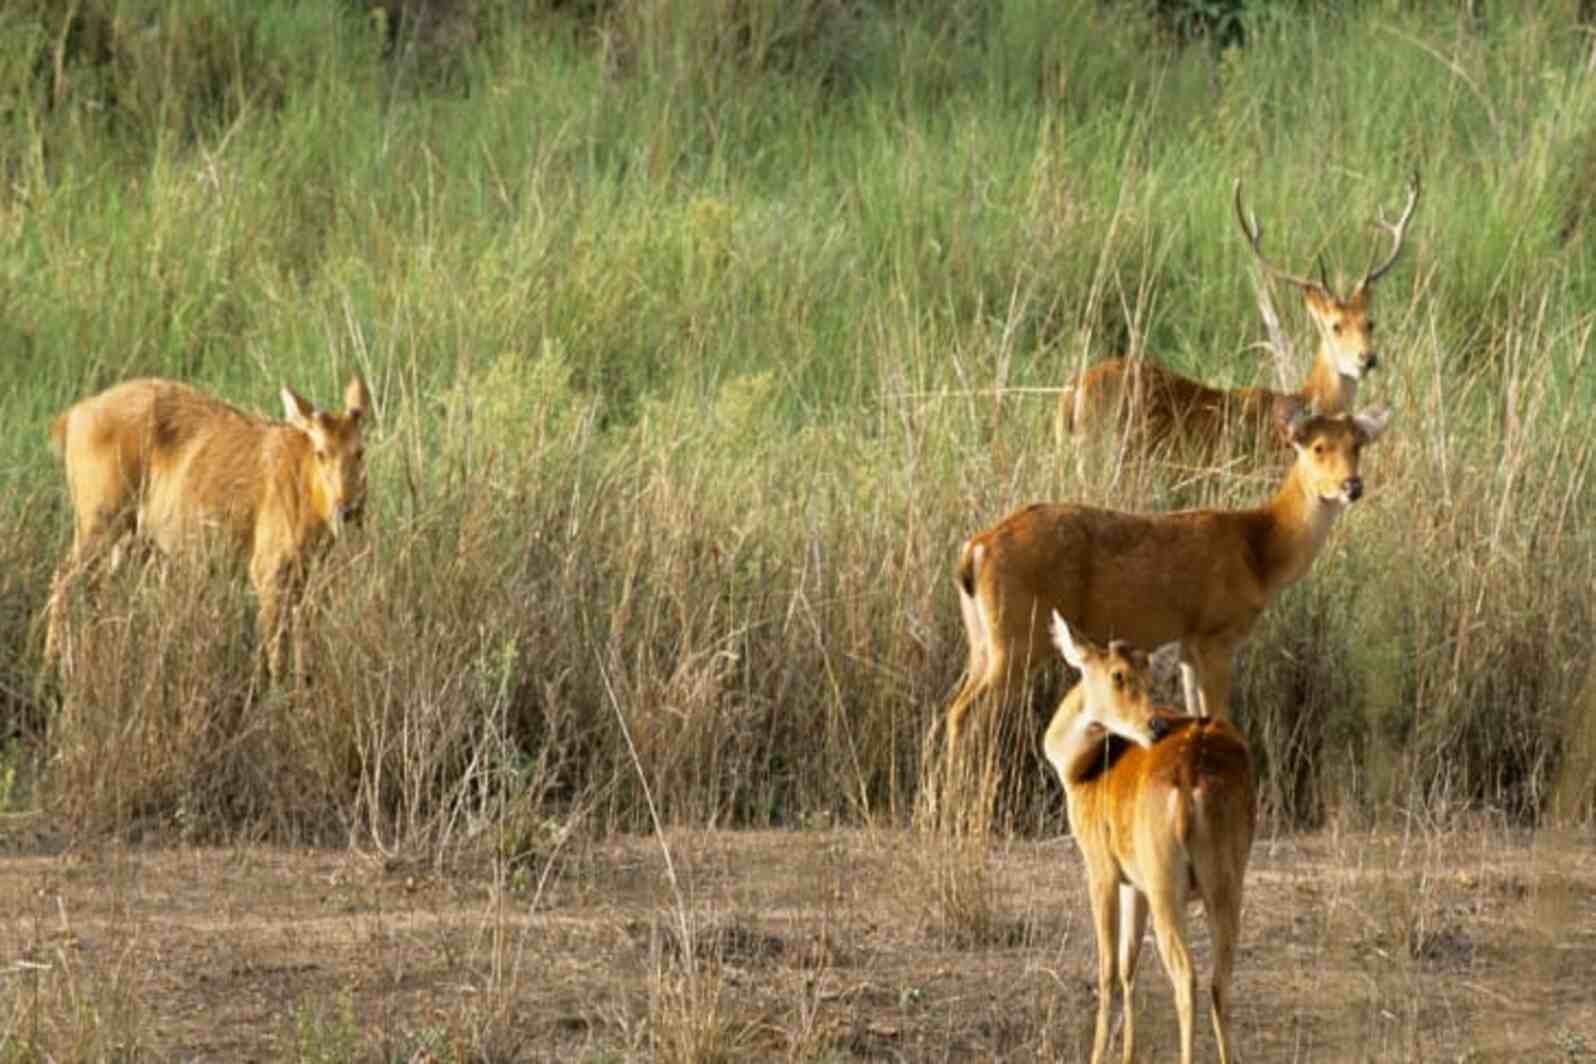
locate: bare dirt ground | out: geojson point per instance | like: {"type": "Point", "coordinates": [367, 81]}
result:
{"type": "Point", "coordinates": [1461, 944]}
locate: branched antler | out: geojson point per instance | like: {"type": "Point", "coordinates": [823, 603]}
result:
{"type": "Point", "coordinates": [1254, 234]}
{"type": "Point", "coordinates": [1398, 231]}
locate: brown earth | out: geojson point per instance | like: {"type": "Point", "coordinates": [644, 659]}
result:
{"type": "Point", "coordinates": [1469, 943]}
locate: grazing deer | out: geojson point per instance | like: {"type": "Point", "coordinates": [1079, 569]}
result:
{"type": "Point", "coordinates": [180, 467]}
{"type": "Point", "coordinates": [1162, 408]}
{"type": "Point", "coordinates": [1162, 807]}
{"type": "Point", "coordinates": [1199, 577]}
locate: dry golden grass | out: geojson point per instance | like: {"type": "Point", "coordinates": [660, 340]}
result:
{"type": "Point", "coordinates": [1450, 941]}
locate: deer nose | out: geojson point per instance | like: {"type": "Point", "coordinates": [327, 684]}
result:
{"type": "Point", "coordinates": [1353, 486]}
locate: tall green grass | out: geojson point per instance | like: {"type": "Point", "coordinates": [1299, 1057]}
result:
{"type": "Point", "coordinates": [701, 334]}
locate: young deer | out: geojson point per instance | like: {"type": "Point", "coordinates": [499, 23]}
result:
{"type": "Point", "coordinates": [1199, 577]}
{"type": "Point", "coordinates": [1162, 409]}
{"type": "Point", "coordinates": [1162, 807]}
{"type": "Point", "coordinates": [179, 468]}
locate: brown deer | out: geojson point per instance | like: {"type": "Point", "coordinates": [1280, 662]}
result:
{"type": "Point", "coordinates": [1199, 577]}
{"type": "Point", "coordinates": [180, 468]}
{"type": "Point", "coordinates": [1163, 410]}
{"type": "Point", "coordinates": [1163, 808]}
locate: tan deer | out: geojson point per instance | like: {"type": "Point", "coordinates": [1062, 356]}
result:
{"type": "Point", "coordinates": [1197, 577]}
{"type": "Point", "coordinates": [1161, 409]}
{"type": "Point", "coordinates": [181, 468]}
{"type": "Point", "coordinates": [1163, 809]}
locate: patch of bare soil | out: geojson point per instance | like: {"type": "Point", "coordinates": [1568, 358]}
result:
{"type": "Point", "coordinates": [1471, 944]}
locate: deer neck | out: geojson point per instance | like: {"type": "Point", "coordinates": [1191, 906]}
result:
{"type": "Point", "coordinates": [1078, 750]}
{"type": "Point", "coordinates": [1296, 521]}
{"type": "Point", "coordinates": [1328, 390]}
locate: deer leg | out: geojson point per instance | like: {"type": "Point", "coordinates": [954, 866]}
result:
{"type": "Point", "coordinates": [1169, 925]}
{"type": "Point", "coordinates": [1105, 915]}
{"type": "Point", "coordinates": [94, 541]}
{"type": "Point", "coordinates": [1132, 929]}
{"type": "Point", "coordinates": [1221, 885]}
{"type": "Point", "coordinates": [270, 577]}
{"type": "Point", "coordinates": [1190, 688]}
{"type": "Point", "coordinates": [1216, 684]}
{"type": "Point", "coordinates": [1225, 922]}
{"type": "Point", "coordinates": [1205, 667]}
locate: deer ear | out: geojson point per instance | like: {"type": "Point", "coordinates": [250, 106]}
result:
{"type": "Point", "coordinates": [357, 400]}
{"type": "Point", "coordinates": [1066, 642]}
{"type": "Point", "coordinates": [1316, 294]}
{"type": "Point", "coordinates": [1283, 410]}
{"type": "Point", "coordinates": [1292, 414]}
{"type": "Point", "coordinates": [1165, 660]}
{"type": "Point", "coordinates": [1373, 422]}
{"type": "Point", "coordinates": [298, 413]}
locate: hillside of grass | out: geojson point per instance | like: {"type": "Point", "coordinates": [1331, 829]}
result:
{"type": "Point", "coordinates": [700, 336]}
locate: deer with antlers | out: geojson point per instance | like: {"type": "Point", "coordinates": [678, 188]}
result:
{"type": "Point", "coordinates": [1163, 410]}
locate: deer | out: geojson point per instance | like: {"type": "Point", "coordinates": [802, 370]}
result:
{"type": "Point", "coordinates": [1164, 410]}
{"type": "Point", "coordinates": [1197, 577]}
{"type": "Point", "coordinates": [1163, 809]}
{"type": "Point", "coordinates": [176, 468]}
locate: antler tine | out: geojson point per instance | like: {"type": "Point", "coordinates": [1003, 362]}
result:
{"type": "Point", "coordinates": [1398, 231]}
{"type": "Point", "coordinates": [1254, 234]}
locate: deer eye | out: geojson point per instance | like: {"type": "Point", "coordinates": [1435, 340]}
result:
{"type": "Point", "coordinates": [1318, 449]}
{"type": "Point", "coordinates": [1336, 328]}
{"type": "Point", "coordinates": [1368, 326]}
{"type": "Point", "coordinates": [1119, 678]}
